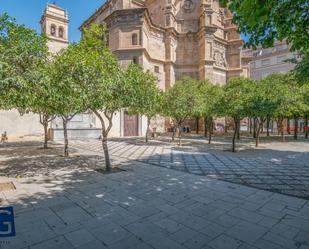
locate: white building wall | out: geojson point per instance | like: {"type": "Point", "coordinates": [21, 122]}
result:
{"type": "Point", "coordinates": [16, 125]}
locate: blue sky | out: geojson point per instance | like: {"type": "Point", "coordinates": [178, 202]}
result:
{"type": "Point", "coordinates": [29, 12]}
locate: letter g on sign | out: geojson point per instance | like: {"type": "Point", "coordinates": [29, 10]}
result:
{"type": "Point", "coordinates": [7, 225]}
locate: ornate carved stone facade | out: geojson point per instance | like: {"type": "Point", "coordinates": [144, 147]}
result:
{"type": "Point", "coordinates": [174, 38]}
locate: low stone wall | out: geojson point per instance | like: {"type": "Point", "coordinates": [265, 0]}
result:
{"type": "Point", "coordinates": [77, 134]}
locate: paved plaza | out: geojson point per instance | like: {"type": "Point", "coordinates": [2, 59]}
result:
{"type": "Point", "coordinates": [65, 203]}
{"type": "Point", "coordinates": [150, 207]}
{"type": "Point", "coordinates": [284, 170]}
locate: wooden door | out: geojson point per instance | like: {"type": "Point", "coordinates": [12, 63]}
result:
{"type": "Point", "coordinates": [130, 125]}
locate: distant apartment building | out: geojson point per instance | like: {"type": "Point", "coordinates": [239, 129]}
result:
{"type": "Point", "coordinates": [266, 61]}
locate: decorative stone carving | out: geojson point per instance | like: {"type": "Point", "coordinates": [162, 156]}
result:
{"type": "Point", "coordinates": [188, 6]}
{"type": "Point", "coordinates": [219, 58]}
{"type": "Point", "coordinates": [221, 16]}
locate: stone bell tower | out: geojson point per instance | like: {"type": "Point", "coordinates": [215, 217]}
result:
{"type": "Point", "coordinates": [55, 24]}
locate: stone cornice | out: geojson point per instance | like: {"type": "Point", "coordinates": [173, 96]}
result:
{"type": "Point", "coordinates": [61, 19]}
{"type": "Point", "coordinates": [95, 15]}
{"type": "Point", "coordinates": [52, 38]}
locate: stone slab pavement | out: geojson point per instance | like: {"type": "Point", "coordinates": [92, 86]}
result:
{"type": "Point", "coordinates": [277, 171]}
{"type": "Point", "coordinates": [150, 207]}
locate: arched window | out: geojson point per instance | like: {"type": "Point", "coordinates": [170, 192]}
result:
{"type": "Point", "coordinates": [61, 32]}
{"type": "Point", "coordinates": [134, 39]}
{"type": "Point", "coordinates": [53, 30]}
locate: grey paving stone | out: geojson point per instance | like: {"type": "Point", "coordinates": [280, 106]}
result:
{"type": "Point", "coordinates": [297, 222]}
{"type": "Point", "coordinates": [197, 241]}
{"type": "Point", "coordinates": [247, 246]}
{"type": "Point", "coordinates": [246, 215]}
{"type": "Point", "coordinates": [96, 244]}
{"type": "Point", "coordinates": [247, 232]}
{"type": "Point", "coordinates": [110, 234]}
{"type": "Point", "coordinates": [226, 220]}
{"type": "Point", "coordinates": [143, 210]}
{"type": "Point", "coordinates": [284, 230]}
{"type": "Point", "coordinates": [129, 243]}
{"type": "Point", "coordinates": [281, 241]}
{"type": "Point", "coordinates": [72, 215]}
{"type": "Point", "coordinates": [79, 237]}
{"type": "Point", "coordinates": [162, 241]}
{"type": "Point", "coordinates": [225, 242]}
{"type": "Point", "coordinates": [188, 220]}
{"type": "Point", "coordinates": [145, 230]}
{"type": "Point", "coordinates": [58, 242]}
{"type": "Point", "coordinates": [304, 247]}
{"type": "Point", "coordinates": [212, 229]}
{"type": "Point", "coordinates": [183, 235]}
{"type": "Point", "coordinates": [302, 238]}
{"type": "Point", "coordinates": [169, 209]}
{"type": "Point", "coordinates": [268, 222]}
{"type": "Point", "coordinates": [169, 225]}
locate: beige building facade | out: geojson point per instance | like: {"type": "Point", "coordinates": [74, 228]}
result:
{"type": "Point", "coordinates": [174, 38]}
{"type": "Point", "coordinates": [266, 61]}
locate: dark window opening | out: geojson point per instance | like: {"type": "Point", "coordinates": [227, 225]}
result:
{"type": "Point", "coordinates": [53, 30]}
{"type": "Point", "coordinates": [134, 39]}
{"type": "Point", "coordinates": [61, 32]}
{"type": "Point", "coordinates": [135, 60]}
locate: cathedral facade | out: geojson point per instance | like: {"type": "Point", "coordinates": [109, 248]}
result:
{"type": "Point", "coordinates": [174, 38]}
{"type": "Point", "coordinates": [170, 38]}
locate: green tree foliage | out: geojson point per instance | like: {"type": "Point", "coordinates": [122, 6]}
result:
{"type": "Point", "coordinates": [40, 91]}
{"type": "Point", "coordinates": [104, 89]}
{"type": "Point", "coordinates": [209, 98]}
{"type": "Point", "coordinates": [267, 21]}
{"type": "Point", "coordinates": [23, 56]}
{"type": "Point", "coordinates": [296, 106]}
{"type": "Point", "coordinates": [65, 93]}
{"type": "Point", "coordinates": [302, 69]}
{"type": "Point", "coordinates": [22, 50]}
{"type": "Point", "coordinates": [180, 102]}
{"type": "Point", "coordinates": [235, 101]}
{"type": "Point", "coordinates": [146, 96]}
{"type": "Point", "coordinates": [263, 102]}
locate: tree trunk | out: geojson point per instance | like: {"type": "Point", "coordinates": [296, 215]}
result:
{"type": "Point", "coordinates": [105, 132]}
{"type": "Point", "coordinates": [173, 134]}
{"type": "Point", "coordinates": [44, 120]}
{"type": "Point", "coordinates": [295, 128]}
{"type": "Point", "coordinates": [268, 126]}
{"type": "Point", "coordinates": [147, 130]}
{"type": "Point", "coordinates": [238, 130]}
{"type": "Point", "coordinates": [250, 125]}
{"type": "Point", "coordinates": [205, 126]}
{"type": "Point", "coordinates": [225, 125]}
{"type": "Point", "coordinates": [281, 128]}
{"type": "Point", "coordinates": [257, 139]}
{"type": "Point", "coordinates": [254, 128]}
{"type": "Point", "coordinates": [179, 135]}
{"type": "Point", "coordinates": [235, 134]}
{"type": "Point", "coordinates": [306, 127]}
{"type": "Point", "coordinates": [288, 126]}
{"type": "Point", "coordinates": [65, 135]}
{"type": "Point", "coordinates": [210, 125]}
{"type": "Point", "coordinates": [106, 153]}
{"type": "Point", "coordinates": [197, 125]}
{"type": "Point", "coordinates": [45, 134]}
